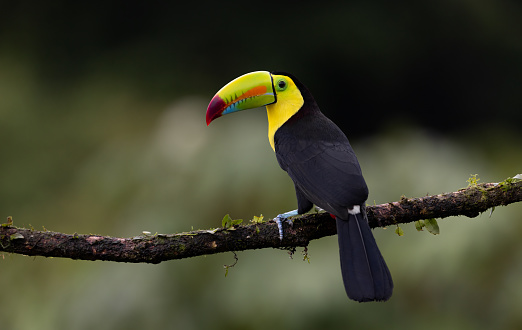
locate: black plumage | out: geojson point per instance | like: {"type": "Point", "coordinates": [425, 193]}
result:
{"type": "Point", "coordinates": [323, 166]}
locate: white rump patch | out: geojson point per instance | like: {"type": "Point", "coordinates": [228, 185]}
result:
{"type": "Point", "coordinates": [356, 210]}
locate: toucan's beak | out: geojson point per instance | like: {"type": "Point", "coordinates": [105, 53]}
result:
{"type": "Point", "coordinates": [249, 91]}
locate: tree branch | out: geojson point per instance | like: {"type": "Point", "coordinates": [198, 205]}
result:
{"type": "Point", "coordinates": [157, 248]}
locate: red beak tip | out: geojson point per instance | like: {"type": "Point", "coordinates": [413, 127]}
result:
{"type": "Point", "coordinates": [215, 108]}
{"type": "Point", "coordinates": [210, 118]}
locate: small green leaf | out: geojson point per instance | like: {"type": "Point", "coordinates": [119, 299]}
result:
{"type": "Point", "coordinates": [419, 224]}
{"type": "Point", "coordinates": [229, 223]}
{"type": "Point", "coordinates": [237, 222]}
{"type": "Point", "coordinates": [432, 226]}
{"type": "Point", "coordinates": [399, 231]}
{"type": "Point", "coordinates": [225, 223]}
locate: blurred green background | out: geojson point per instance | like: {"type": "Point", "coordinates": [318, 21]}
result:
{"type": "Point", "coordinates": [102, 130]}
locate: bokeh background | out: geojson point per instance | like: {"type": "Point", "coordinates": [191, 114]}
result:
{"type": "Point", "coordinates": [102, 130]}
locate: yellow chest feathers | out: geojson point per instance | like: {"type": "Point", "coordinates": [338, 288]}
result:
{"type": "Point", "coordinates": [289, 101]}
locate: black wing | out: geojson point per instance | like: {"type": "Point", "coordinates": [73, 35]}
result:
{"type": "Point", "coordinates": [322, 164]}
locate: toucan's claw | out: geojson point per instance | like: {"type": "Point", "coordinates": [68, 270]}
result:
{"type": "Point", "coordinates": [279, 222]}
{"type": "Point", "coordinates": [285, 217]}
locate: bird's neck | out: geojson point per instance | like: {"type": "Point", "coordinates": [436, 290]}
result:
{"type": "Point", "coordinates": [278, 113]}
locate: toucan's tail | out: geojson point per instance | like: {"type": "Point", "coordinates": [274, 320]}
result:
{"type": "Point", "coordinates": [365, 274]}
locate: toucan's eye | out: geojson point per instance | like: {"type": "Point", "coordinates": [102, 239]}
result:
{"type": "Point", "coordinates": [281, 84]}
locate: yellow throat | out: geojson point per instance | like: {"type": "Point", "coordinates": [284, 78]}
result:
{"type": "Point", "coordinates": [289, 101]}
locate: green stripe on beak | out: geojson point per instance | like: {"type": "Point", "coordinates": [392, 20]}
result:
{"type": "Point", "coordinates": [251, 90]}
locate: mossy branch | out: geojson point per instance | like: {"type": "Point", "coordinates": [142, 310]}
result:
{"type": "Point", "coordinates": [157, 248]}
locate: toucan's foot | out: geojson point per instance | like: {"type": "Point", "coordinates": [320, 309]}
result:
{"type": "Point", "coordinates": [285, 217]}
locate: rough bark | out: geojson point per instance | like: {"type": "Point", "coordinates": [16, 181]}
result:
{"type": "Point", "coordinates": [157, 248]}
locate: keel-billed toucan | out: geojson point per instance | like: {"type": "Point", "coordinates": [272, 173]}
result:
{"type": "Point", "coordinates": [318, 157]}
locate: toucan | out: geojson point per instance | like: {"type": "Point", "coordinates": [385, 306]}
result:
{"type": "Point", "coordinates": [320, 161]}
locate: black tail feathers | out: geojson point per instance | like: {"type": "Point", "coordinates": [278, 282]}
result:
{"type": "Point", "coordinates": [365, 274]}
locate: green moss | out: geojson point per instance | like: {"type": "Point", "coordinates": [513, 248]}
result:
{"type": "Point", "coordinates": [473, 180]}
{"type": "Point", "coordinates": [9, 222]}
{"type": "Point", "coordinates": [508, 184]}
{"type": "Point", "coordinates": [257, 219]}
